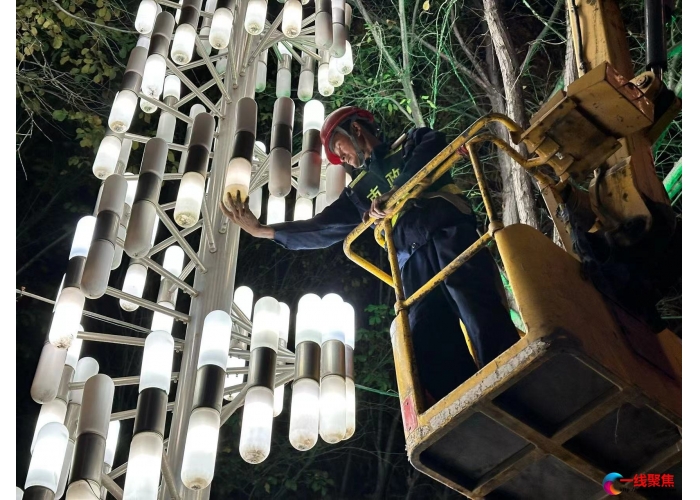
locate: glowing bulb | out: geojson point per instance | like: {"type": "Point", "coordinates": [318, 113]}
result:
{"type": "Point", "coordinates": [304, 417]}
{"type": "Point", "coordinates": [325, 88]}
{"type": "Point", "coordinates": [183, 44]}
{"type": "Point", "coordinates": [255, 16]}
{"type": "Point", "coordinates": [146, 16]}
{"type": "Point", "coordinates": [256, 428]}
{"type": "Point", "coordinates": [107, 156]}
{"type": "Point", "coordinates": [221, 28]}
{"type": "Point", "coordinates": [189, 199]}
{"type": "Point", "coordinates": [153, 76]}
{"type": "Point", "coordinates": [122, 111]}
{"type": "Point", "coordinates": [291, 18]}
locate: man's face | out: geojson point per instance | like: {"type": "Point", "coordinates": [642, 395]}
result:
{"type": "Point", "coordinates": [342, 146]}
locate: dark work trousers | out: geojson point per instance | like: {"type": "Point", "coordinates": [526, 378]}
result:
{"type": "Point", "coordinates": [471, 294]}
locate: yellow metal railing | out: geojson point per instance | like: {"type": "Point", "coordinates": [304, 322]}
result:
{"type": "Point", "coordinates": [465, 142]}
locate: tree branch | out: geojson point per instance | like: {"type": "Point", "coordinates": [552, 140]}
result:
{"type": "Point", "coordinates": [535, 44]}
{"type": "Point", "coordinates": [484, 84]}
{"type": "Point", "coordinates": [465, 48]}
{"type": "Point", "coordinates": [405, 77]}
{"type": "Point", "coordinates": [73, 16]}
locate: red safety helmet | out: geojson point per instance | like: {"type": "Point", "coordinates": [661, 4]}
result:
{"type": "Point", "coordinates": [340, 118]}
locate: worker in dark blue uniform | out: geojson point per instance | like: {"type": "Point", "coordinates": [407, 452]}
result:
{"type": "Point", "coordinates": [429, 233]}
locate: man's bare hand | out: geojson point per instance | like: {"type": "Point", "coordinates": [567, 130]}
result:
{"type": "Point", "coordinates": [239, 213]}
{"type": "Point", "coordinates": [377, 209]}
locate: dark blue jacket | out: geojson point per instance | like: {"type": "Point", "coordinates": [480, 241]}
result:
{"type": "Point", "coordinates": [383, 170]}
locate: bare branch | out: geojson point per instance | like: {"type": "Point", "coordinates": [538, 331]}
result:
{"type": "Point", "coordinates": [405, 76]}
{"type": "Point", "coordinates": [58, 6]}
{"type": "Point", "coordinates": [536, 43]}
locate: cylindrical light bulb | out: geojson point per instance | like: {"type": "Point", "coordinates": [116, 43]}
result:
{"type": "Point", "coordinates": [200, 448]}
{"type": "Point", "coordinates": [53, 411]}
{"type": "Point", "coordinates": [324, 86]}
{"type": "Point", "coordinates": [122, 111]}
{"type": "Point", "coordinates": [238, 178]}
{"type": "Point", "coordinates": [48, 373]}
{"type": "Point", "coordinates": [255, 16]}
{"type": "Point", "coordinates": [332, 411]}
{"type": "Point", "coordinates": [335, 77]}
{"type": "Point", "coordinates": [278, 400]}
{"type": "Point", "coordinates": [284, 82]}
{"type": "Point", "coordinates": [221, 28]}
{"type": "Point", "coordinates": [309, 320]}
{"type": "Point", "coordinates": [87, 367]}
{"type": "Point", "coordinates": [261, 71]}
{"type": "Point", "coordinates": [243, 298]}
{"type": "Point", "coordinates": [189, 199]}
{"type": "Point", "coordinates": [107, 157]}
{"type": "Point", "coordinates": [265, 324]}
{"type": "Point", "coordinates": [345, 63]}
{"type": "Point", "coordinates": [303, 209]}
{"type": "Point", "coordinates": [305, 90]}
{"type": "Point", "coordinates": [134, 283]}
{"type": "Point", "coordinates": [47, 459]}
{"type": "Point", "coordinates": [291, 18]}
{"type": "Point", "coordinates": [153, 76]}
{"type": "Point", "coordinates": [173, 260]}
{"type": "Point", "coordinates": [183, 44]}
{"type": "Point", "coordinates": [69, 311]}
{"type": "Point", "coordinates": [216, 335]}
{"type": "Point", "coordinates": [275, 209]}
{"type": "Point", "coordinates": [304, 417]}
{"type": "Point", "coordinates": [332, 311]}
{"type": "Point", "coordinates": [82, 237]}
{"type": "Point", "coordinates": [255, 202]}
{"type": "Point", "coordinates": [146, 16]}
{"type": "Point", "coordinates": [162, 321]}
{"type": "Point", "coordinates": [256, 428]}
{"type": "Point", "coordinates": [112, 442]}
{"type": "Point", "coordinates": [143, 475]}
{"type": "Point", "coordinates": [157, 361]}
{"type": "Point", "coordinates": [313, 115]}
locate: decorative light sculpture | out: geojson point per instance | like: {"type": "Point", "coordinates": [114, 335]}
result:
{"type": "Point", "coordinates": [284, 73]}
{"type": "Point", "coordinates": [93, 424]}
{"type": "Point", "coordinates": [291, 18]}
{"type": "Point", "coordinates": [186, 32]}
{"type": "Point", "coordinates": [156, 74]}
{"type": "Point", "coordinates": [143, 212]}
{"type": "Point", "coordinates": [154, 70]}
{"type": "Point", "coordinates": [303, 209]}
{"type": "Point", "coordinates": [189, 197]}
{"type": "Point", "coordinates": [220, 31]}
{"type": "Point", "coordinates": [255, 16]}
{"type": "Point", "coordinates": [280, 158]}
{"type": "Point", "coordinates": [146, 450]}
{"type": "Point", "coordinates": [239, 168]}
{"type": "Point", "coordinates": [256, 428]}
{"type": "Point", "coordinates": [146, 16]}
{"type": "Point", "coordinates": [305, 89]}
{"type": "Point", "coordinates": [304, 418]}
{"type": "Point", "coordinates": [107, 156]}
{"type": "Point", "coordinates": [332, 423]}
{"type": "Point", "coordinates": [310, 161]}
{"type": "Point", "coordinates": [47, 460]}
{"type": "Point", "coordinates": [98, 263]}
{"type": "Point", "coordinates": [339, 31]}
{"type": "Point", "coordinates": [203, 431]}
{"type": "Point", "coordinates": [125, 101]}
{"type": "Point", "coordinates": [335, 182]}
